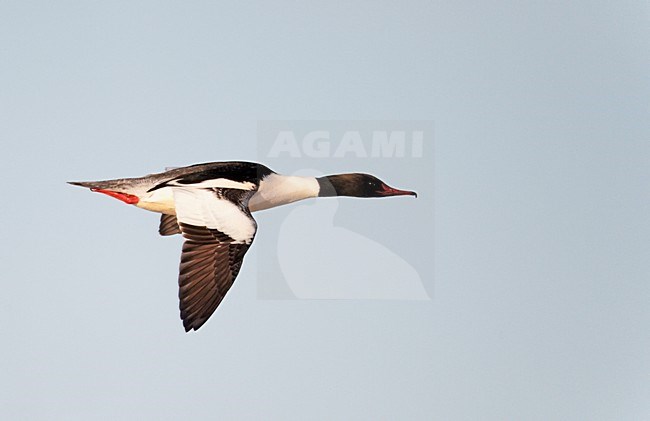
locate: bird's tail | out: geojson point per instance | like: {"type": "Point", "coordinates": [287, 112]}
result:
{"type": "Point", "coordinates": [134, 186]}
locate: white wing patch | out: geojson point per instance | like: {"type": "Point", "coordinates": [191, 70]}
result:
{"type": "Point", "coordinates": [201, 207]}
{"type": "Point", "coordinates": [217, 183]}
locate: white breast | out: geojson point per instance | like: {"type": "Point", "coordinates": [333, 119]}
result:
{"type": "Point", "coordinates": [277, 190]}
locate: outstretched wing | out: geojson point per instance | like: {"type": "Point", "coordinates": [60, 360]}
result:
{"type": "Point", "coordinates": [168, 225]}
{"type": "Point", "coordinates": [218, 230]}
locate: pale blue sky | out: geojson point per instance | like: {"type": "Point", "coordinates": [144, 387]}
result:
{"type": "Point", "coordinates": [539, 263]}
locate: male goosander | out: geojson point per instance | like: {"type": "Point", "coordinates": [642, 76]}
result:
{"type": "Point", "coordinates": [210, 205]}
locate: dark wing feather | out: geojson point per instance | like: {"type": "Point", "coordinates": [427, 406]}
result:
{"type": "Point", "coordinates": [218, 230]}
{"type": "Point", "coordinates": [168, 225]}
{"type": "Point", "coordinates": [209, 266]}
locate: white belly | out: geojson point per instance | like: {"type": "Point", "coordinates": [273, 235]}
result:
{"type": "Point", "coordinates": [161, 201]}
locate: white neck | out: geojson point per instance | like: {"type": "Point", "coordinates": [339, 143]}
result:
{"type": "Point", "coordinates": [277, 190]}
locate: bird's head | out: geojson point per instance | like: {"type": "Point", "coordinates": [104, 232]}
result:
{"type": "Point", "coordinates": [358, 185]}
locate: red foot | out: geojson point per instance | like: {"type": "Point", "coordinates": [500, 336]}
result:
{"type": "Point", "coordinates": [126, 198]}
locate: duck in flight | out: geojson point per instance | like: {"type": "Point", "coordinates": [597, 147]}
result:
{"type": "Point", "coordinates": [210, 205]}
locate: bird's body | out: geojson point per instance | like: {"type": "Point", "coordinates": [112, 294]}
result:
{"type": "Point", "coordinates": [210, 205]}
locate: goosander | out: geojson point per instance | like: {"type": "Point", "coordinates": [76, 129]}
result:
{"type": "Point", "coordinates": [210, 205]}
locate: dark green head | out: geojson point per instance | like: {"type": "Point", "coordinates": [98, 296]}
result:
{"type": "Point", "coordinates": [358, 185]}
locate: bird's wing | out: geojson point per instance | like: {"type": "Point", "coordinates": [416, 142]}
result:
{"type": "Point", "coordinates": [168, 225]}
{"type": "Point", "coordinates": [218, 230]}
